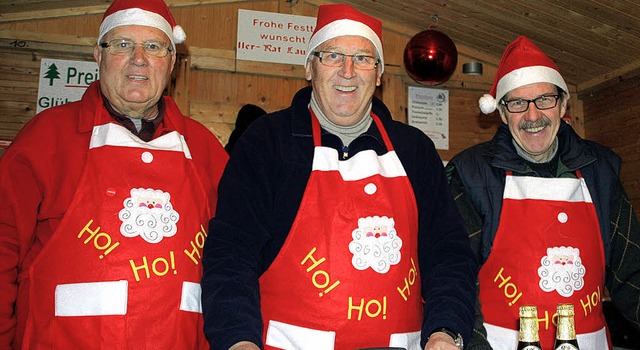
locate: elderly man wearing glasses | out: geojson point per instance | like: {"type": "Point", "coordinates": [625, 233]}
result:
{"type": "Point", "coordinates": [335, 227]}
{"type": "Point", "coordinates": [99, 199]}
{"type": "Point", "coordinates": [548, 216]}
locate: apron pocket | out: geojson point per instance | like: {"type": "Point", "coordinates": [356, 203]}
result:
{"type": "Point", "coordinates": [91, 299]}
{"type": "Point", "coordinates": [287, 336]}
{"type": "Point", "coordinates": [190, 300]}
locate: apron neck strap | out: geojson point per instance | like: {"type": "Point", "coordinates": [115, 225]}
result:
{"type": "Point", "coordinates": [383, 132]}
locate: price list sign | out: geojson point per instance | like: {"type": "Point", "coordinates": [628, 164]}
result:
{"type": "Point", "coordinates": [429, 111]}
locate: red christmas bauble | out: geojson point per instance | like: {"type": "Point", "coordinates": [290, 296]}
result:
{"type": "Point", "coordinates": [430, 57]}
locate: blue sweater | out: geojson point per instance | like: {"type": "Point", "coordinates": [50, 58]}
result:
{"type": "Point", "coordinates": [261, 190]}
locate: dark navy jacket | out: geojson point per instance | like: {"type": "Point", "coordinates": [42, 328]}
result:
{"type": "Point", "coordinates": [482, 169]}
{"type": "Point", "coordinates": [259, 196]}
{"type": "Point", "coordinates": [477, 177]}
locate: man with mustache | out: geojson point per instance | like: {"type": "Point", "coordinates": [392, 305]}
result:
{"type": "Point", "coordinates": [535, 188]}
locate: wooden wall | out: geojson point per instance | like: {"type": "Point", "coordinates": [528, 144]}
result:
{"type": "Point", "coordinates": [211, 86]}
{"type": "Point", "coordinates": [614, 120]}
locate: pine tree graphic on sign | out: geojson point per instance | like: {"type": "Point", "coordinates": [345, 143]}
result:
{"type": "Point", "coordinates": [52, 73]}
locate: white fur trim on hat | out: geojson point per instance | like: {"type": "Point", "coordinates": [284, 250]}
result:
{"type": "Point", "coordinates": [345, 27]}
{"type": "Point", "coordinates": [136, 16]}
{"type": "Point", "coordinates": [528, 75]}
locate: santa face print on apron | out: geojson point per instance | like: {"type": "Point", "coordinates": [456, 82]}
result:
{"type": "Point", "coordinates": [547, 250]}
{"type": "Point", "coordinates": [347, 276]}
{"type": "Point", "coordinates": [122, 271]}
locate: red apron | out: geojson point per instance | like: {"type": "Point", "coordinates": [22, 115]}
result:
{"type": "Point", "coordinates": [547, 250]}
{"type": "Point", "coordinates": [347, 275]}
{"type": "Point", "coordinates": [122, 271]}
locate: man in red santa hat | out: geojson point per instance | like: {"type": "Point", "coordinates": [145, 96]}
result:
{"type": "Point", "coordinates": [335, 226]}
{"type": "Point", "coordinates": [554, 221]}
{"type": "Point", "coordinates": [104, 204]}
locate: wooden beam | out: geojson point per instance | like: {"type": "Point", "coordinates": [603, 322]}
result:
{"type": "Point", "coordinates": [225, 60]}
{"type": "Point", "coordinates": [52, 13]}
{"type": "Point", "coordinates": [623, 72]}
{"type": "Point", "coordinates": [212, 59]}
{"type": "Point", "coordinates": [272, 69]}
{"type": "Point", "coordinates": [47, 37]}
{"type": "Point", "coordinates": [65, 10]}
{"type": "Point", "coordinates": [19, 40]}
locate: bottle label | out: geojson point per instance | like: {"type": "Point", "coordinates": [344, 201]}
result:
{"type": "Point", "coordinates": [531, 347]}
{"type": "Point", "coordinates": [566, 347]}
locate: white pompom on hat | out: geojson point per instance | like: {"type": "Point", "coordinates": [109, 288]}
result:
{"type": "Point", "coordinates": [336, 20]}
{"type": "Point", "coordinates": [522, 63]}
{"type": "Point", "coordinates": [149, 13]}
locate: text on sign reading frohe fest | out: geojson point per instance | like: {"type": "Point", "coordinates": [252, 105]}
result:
{"type": "Point", "coordinates": [271, 24]}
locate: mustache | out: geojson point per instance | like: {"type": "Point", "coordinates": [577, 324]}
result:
{"type": "Point", "coordinates": [528, 124]}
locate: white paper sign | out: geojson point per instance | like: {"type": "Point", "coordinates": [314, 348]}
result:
{"type": "Point", "coordinates": [273, 37]}
{"type": "Point", "coordinates": [429, 112]}
{"type": "Point", "coordinates": [63, 81]}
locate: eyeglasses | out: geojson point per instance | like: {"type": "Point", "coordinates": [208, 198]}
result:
{"type": "Point", "coordinates": [521, 105]}
{"type": "Point", "coordinates": [336, 59]}
{"type": "Point", "coordinates": [126, 47]}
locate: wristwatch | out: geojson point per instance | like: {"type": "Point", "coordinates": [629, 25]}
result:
{"type": "Point", "coordinates": [457, 338]}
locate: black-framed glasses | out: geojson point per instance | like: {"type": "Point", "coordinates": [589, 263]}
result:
{"type": "Point", "coordinates": [126, 47]}
{"type": "Point", "coordinates": [336, 59]}
{"type": "Point", "coordinates": [521, 105]}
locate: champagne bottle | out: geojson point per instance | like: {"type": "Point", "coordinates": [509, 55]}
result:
{"type": "Point", "coordinates": [566, 331]}
{"type": "Point", "coordinates": [528, 338]}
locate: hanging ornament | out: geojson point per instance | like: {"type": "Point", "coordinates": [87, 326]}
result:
{"type": "Point", "coordinates": [430, 57]}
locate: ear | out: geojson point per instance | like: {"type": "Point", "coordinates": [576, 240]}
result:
{"type": "Point", "coordinates": [503, 114]}
{"type": "Point", "coordinates": [308, 74]}
{"type": "Point", "coordinates": [563, 106]}
{"type": "Point", "coordinates": [97, 54]}
{"type": "Point", "coordinates": [378, 76]}
{"type": "Point", "coordinates": [173, 61]}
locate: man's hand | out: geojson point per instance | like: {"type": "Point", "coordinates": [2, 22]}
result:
{"type": "Point", "coordinates": [440, 341]}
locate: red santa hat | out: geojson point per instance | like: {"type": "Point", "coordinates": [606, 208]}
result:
{"type": "Point", "coordinates": [522, 63]}
{"type": "Point", "coordinates": [336, 20]}
{"type": "Point", "coordinates": [150, 13]}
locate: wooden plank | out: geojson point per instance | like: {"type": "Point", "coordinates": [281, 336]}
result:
{"type": "Point", "coordinates": [12, 127]}
{"type": "Point", "coordinates": [214, 112]}
{"type": "Point", "coordinates": [610, 77]}
{"type": "Point", "coordinates": [576, 111]}
{"type": "Point", "coordinates": [23, 95]}
{"type": "Point", "coordinates": [270, 69]}
{"type": "Point", "coordinates": [17, 42]}
{"type": "Point", "coordinates": [218, 117]}
{"type": "Point", "coordinates": [46, 38]}
{"type": "Point", "coordinates": [212, 59]}
{"type": "Point", "coordinates": [69, 8]}
{"type": "Point", "coordinates": [394, 95]}
{"type": "Point", "coordinates": [179, 87]}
